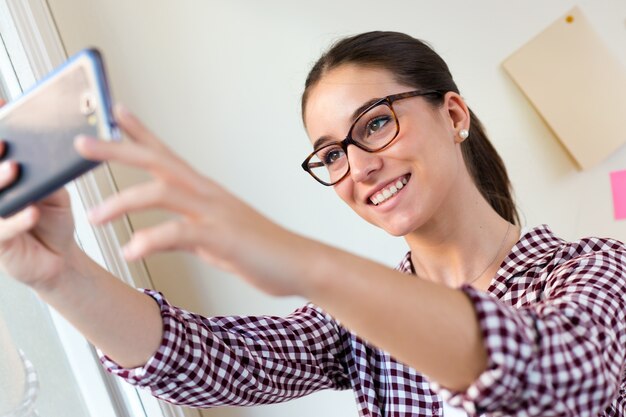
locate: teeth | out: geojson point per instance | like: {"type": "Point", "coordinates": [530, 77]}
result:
{"type": "Point", "coordinates": [388, 192]}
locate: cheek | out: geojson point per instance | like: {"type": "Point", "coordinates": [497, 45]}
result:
{"type": "Point", "coordinates": [344, 191]}
{"type": "Point", "coordinates": [434, 150]}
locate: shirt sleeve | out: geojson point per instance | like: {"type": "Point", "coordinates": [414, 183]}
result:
{"type": "Point", "coordinates": [206, 362]}
{"type": "Point", "coordinates": [564, 355]}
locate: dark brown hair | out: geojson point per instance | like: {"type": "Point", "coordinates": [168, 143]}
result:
{"type": "Point", "coordinates": [414, 63]}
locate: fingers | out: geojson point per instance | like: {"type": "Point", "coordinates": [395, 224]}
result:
{"type": "Point", "coordinates": [8, 173]}
{"type": "Point", "coordinates": [130, 153]}
{"type": "Point", "coordinates": [8, 169]}
{"type": "Point", "coordinates": [17, 224]}
{"type": "Point", "coordinates": [177, 187]}
{"type": "Point", "coordinates": [125, 152]}
{"type": "Point", "coordinates": [149, 195]}
{"type": "Point", "coordinates": [173, 235]}
{"type": "Point", "coordinates": [144, 151]}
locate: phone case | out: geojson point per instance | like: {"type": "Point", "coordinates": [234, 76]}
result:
{"type": "Point", "coordinates": [40, 126]}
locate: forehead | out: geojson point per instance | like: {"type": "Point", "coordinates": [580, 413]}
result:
{"type": "Point", "coordinates": [332, 101]}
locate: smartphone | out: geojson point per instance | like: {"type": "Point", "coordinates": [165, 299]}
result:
{"type": "Point", "coordinates": [39, 129]}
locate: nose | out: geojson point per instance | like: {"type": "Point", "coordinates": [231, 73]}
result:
{"type": "Point", "coordinates": [362, 163]}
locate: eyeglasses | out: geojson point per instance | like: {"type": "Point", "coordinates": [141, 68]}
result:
{"type": "Point", "coordinates": [373, 130]}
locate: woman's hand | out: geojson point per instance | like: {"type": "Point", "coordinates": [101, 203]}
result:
{"type": "Point", "coordinates": [35, 243]}
{"type": "Point", "coordinates": [211, 223]}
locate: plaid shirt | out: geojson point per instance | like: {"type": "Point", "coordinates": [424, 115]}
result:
{"type": "Point", "coordinates": [553, 323]}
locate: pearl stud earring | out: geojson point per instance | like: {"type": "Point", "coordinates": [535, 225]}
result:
{"type": "Point", "coordinates": [463, 134]}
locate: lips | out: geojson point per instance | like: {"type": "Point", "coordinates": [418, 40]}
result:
{"type": "Point", "coordinates": [389, 190]}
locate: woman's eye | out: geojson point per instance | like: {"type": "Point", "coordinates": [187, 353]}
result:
{"type": "Point", "coordinates": [332, 156]}
{"type": "Point", "coordinates": [376, 124]}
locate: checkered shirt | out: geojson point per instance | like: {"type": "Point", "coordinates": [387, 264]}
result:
{"type": "Point", "coordinates": [553, 324]}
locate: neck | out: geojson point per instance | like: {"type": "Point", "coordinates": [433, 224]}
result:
{"type": "Point", "coordinates": [464, 245]}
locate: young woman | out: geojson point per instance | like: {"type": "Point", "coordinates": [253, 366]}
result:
{"type": "Point", "coordinates": [479, 315]}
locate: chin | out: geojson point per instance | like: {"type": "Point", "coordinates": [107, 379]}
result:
{"type": "Point", "coordinates": [399, 225]}
{"type": "Point", "coordinates": [403, 224]}
{"type": "Point", "coordinates": [398, 228]}
{"type": "Point", "coordinates": [397, 231]}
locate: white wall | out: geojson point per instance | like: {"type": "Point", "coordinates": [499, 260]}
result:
{"type": "Point", "coordinates": [220, 81]}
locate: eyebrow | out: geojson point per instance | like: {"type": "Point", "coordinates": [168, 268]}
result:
{"type": "Point", "coordinates": [355, 114]}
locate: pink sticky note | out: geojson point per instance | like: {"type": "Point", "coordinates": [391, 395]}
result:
{"type": "Point", "coordinates": [618, 186]}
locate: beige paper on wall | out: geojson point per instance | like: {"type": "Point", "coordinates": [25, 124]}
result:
{"type": "Point", "coordinates": [577, 85]}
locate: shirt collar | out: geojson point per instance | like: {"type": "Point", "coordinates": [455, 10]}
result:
{"type": "Point", "coordinates": [534, 248]}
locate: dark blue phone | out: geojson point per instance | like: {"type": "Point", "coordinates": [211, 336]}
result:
{"type": "Point", "coordinates": [40, 126]}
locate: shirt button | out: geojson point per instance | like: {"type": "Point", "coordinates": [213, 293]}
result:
{"type": "Point", "coordinates": [435, 409]}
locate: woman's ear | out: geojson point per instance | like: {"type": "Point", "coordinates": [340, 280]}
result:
{"type": "Point", "coordinates": [458, 115]}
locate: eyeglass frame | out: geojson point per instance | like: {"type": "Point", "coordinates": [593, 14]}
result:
{"type": "Point", "coordinates": [347, 141]}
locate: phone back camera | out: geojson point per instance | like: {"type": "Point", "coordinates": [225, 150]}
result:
{"type": "Point", "coordinates": [87, 104]}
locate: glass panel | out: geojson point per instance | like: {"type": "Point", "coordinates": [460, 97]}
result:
{"type": "Point", "coordinates": [26, 327]}
{"type": "Point", "coordinates": [36, 347]}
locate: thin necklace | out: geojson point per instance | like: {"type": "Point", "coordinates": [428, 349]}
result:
{"type": "Point", "coordinates": [508, 229]}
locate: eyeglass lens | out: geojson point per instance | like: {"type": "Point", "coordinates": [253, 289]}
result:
{"type": "Point", "coordinates": [373, 130]}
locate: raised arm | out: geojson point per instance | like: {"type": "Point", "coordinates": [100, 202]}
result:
{"type": "Point", "coordinates": [241, 361]}
{"type": "Point", "coordinates": [110, 314]}
{"type": "Point", "coordinates": [385, 306]}
{"type": "Point", "coordinates": [131, 327]}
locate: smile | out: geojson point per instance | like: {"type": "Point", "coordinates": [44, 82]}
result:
{"type": "Point", "coordinates": [389, 191]}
